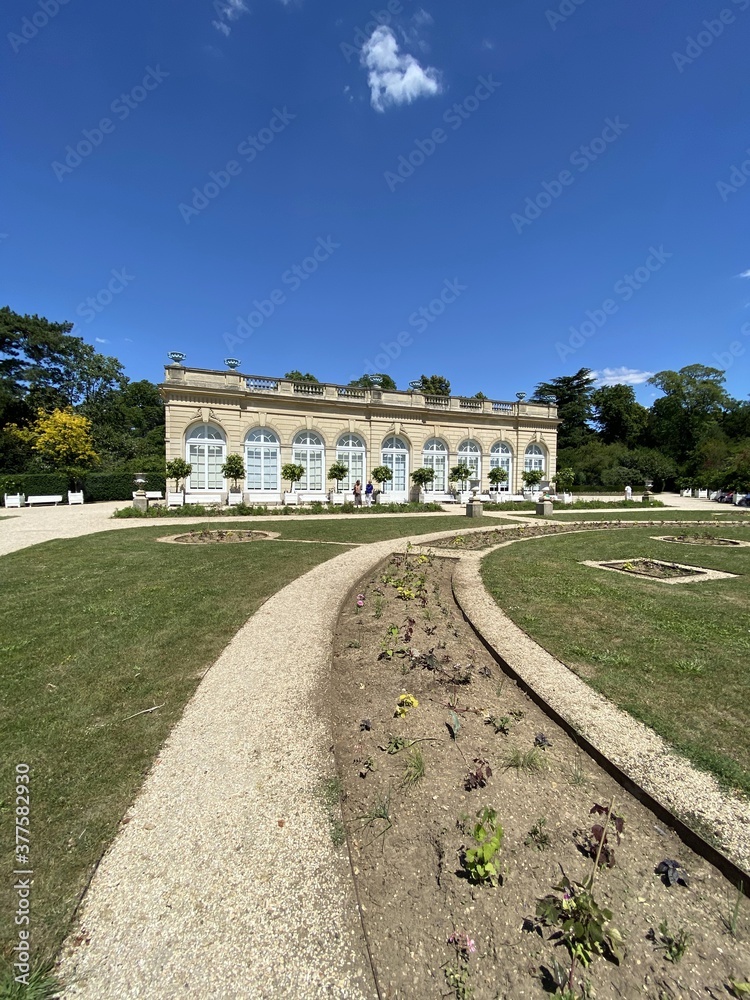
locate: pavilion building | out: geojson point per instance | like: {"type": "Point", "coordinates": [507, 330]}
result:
{"type": "Point", "coordinates": [274, 421]}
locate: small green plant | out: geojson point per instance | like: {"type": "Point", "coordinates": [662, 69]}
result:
{"type": "Point", "coordinates": [731, 919]}
{"type": "Point", "coordinates": [577, 775]}
{"type": "Point", "coordinates": [41, 985]}
{"type": "Point", "coordinates": [378, 610]}
{"type": "Point", "coordinates": [500, 723]}
{"type": "Point", "coordinates": [584, 926]}
{"type": "Point", "coordinates": [337, 473]}
{"type": "Point", "coordinates": [519, 760]}
{"type": "Point", "coordinates": [457, 973]}
{"type": "Point", "coordinates": [414, 769]}
{"type": "Point", "coordinates": [538, 836]}
{"type": "Point", "coordinates": [674, 945]}
{"type": "Point", "coordinates": [480, 862]}
{"type": "Point", "coordinates": [379, 811]}
{"type": "Point", "coordinates": [331, 793]}
{"type": "Point", "coordinates": [292, 473]}
{"type": "Point", "coordinates": [395, 744]}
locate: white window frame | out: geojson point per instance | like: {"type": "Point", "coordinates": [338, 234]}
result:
{"type": "Point", "coordinates": [470, 453]}
{"type": "Point", "coordinates": [308, 450]}
{"type": "Point", "coordinates": [534, 458]}
{"type": "Point", "coordinates": [501, 456]}
{"type": "Point", "coordinates": [201, 445]}
{"type": "Point", "coordinates": [435, 456]}
{"type": "Point", "coordinates": [394, 454]}
{"type": "Point", "coordinates": [264, 441]}
{"type": "Point", "coordinates": [350, 449]}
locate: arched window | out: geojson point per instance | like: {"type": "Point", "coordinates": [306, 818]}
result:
{"type": "Point", "coordinates": [501, 457]}
{"type": "Point", "coordinates": [206, 452]}
{"type": "Point", "coordinates": [470, 453]}
{"type": "Point", "coordinates": [534, 458]}
{"type": "Point", "coordinates": [350, 450]}
{"type": "Point", "coordinates": [435, 456]}
{"type": "Point", "coordinates": [309, 451]}
{"type": "Point", "coordinates": [395, 455]}
{"type": "Point", "coordinates": [262, 461]}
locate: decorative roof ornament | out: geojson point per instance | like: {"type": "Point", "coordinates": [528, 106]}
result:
{"type": "Point", "coordinates": [232, 363]}
{"type": "Point", "coordinates": [176, 357]}
{"type": "Point", "coordinates": [520, 396]}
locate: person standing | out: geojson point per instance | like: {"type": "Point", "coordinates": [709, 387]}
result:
{"type": "Point", "coordinates": [358, 494]}
{"type": "Point", "coordinates": [369, 489]}
{"type": "Point", "coordinates": [628, 492]}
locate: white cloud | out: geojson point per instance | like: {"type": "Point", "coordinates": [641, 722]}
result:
{"type": "Point", "coordinates": [393, 77]}
{"type": "Point", "coordinates": [744, 274]}
{"type": "Point", "coordinates": [101, 340]}
{"type": "Point", "coordinates": [228, 10]}
{"type": "Point", "coordinates": [621, 376]}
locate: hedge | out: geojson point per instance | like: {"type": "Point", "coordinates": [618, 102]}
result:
{"type": "Point", "coordinates": [118, 485]}
{"type": "Point", "coordinates": [34, 484]}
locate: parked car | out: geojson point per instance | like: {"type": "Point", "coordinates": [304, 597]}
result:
{"type": "Point", "coordinates": [744, 501]}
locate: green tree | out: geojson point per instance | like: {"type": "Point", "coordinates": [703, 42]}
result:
{"type": "Point", "coordinates": [178, 469]}
{"type": "Point", "coordinates": [572, 395]}
{"type": "Point", "coordinates": [564, 479]}
{"type": "Point", "coordinates": [479, 395]}
{"type": "Point", "coordinates": [234, 469]}
{"type": "Point", "coordinates": [337, 473]}
{"type": "Point", "coordinates": [381, 474]}
{"type": "Point", "coordinates": [422, 477]}
{"type": "Point", "coordinates": [434, 385]}
{"type": "Point", "coordinates": [532, 477]}
{"type": "Point", "coordinates": [378, 380]}
{"type": "Point", "coordinates": [292, 473]}
{"type": "Point", "coordinates": [460, 473]}
{"type": "Point", "coordinates": [619, 415]}
{"type": "Point", "coordinates": [43, 367]}
{"type": "Point", "coordinates": [297, 376]}
{"type": "Point", "coordinates": [693, 405]}
{"type": "Point", "coordinates": [497, 475]}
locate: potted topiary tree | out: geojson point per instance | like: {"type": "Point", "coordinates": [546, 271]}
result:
{"type": "Point", "coordinates": [178, 469]}
{"type": "Point", "coordinates": [380, 474]}
{"type": "Point", "coordinates": [460, 473]}
{"type": "Point", "coordinates": [292, 473]}
{"type": "Point", "coordinates": [234, 469]}
{"type": "Point", "coordinates": [421, 478]}
{"type": "Point", "coordinates": [532, 478]}
{"type": "Point", "coordinates": [496, 476]}
{"type": "Point", "coordinates": [337, 473]}
{"type": "Point", "coordinates": [564, 480]}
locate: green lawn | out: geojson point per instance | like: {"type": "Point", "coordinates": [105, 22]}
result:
{"type": "Point", "coordinates": [674, 656]}
{"type": "Point", "coordinates": [721, 512]}
{"type": "Point", "coordinates": [96, 629]}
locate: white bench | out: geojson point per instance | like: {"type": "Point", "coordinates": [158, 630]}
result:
{"type": "Point", "coordinates": [47, 499]}
{"type": "Point", "coordinates": [175, 500]}
{"type": "Point", "coordinates": [74, 497]}
{"type": "Point", "coordinates": [206, 499]}
{"type": "Point", "coordinates": [306, 496]}
{"type": "Point", "coordinates": [14, 499]}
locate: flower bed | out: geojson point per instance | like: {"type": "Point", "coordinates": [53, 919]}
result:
{"type": "Point", "coordinates": [475, 825]}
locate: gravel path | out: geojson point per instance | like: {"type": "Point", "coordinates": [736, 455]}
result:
{"type": "Point", "coordinates": [225, 881]}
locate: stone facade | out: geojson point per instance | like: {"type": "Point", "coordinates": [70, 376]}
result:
{"type": "Point", "coordinates": [274, 421]}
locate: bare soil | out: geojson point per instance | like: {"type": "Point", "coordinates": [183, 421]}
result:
{"type": "Point", "coordinates": [652, 568]}
{"type": "Point", "coordinates": [701, 538]}
{"type": "Point", "coordinates": [408, 834]}
{"type": "Point", "coordinates": [206, 537]}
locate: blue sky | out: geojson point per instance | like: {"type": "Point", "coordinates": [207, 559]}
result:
{"type": "Point", "coordinates": [499, 193]}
